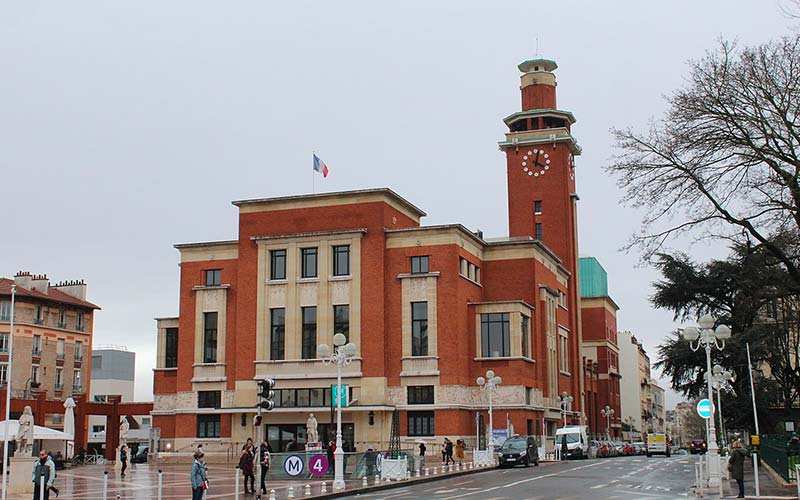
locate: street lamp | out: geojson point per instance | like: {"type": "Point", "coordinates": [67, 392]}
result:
{"type": "Point", "coordinates": [489, 384]}
{"type": "Point", "coordinates": [707, 336]}
{"type": "Point", "coordinates": [719, 380]}
{"type": "Point", "coordinates": [341, 354]}
{"type": "Point", "coordinates": [8, 389]}
{"type": "Point", "coordinates": [608, 412]}
{"type": "Point", "coordinates": [566, 400]}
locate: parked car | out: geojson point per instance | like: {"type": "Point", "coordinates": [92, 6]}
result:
{"type": "Point", "coordinates": [638, 448]}
{"type": "Point", "coordinates": [577, 439]}
{"type": "Point", "coordinates": [698, 447]}
{"type": "Point", "coordinates": [519, 450]}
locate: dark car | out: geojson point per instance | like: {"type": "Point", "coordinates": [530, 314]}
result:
{"type": "Point", "coordinates": [141, 456]}
{"type": "Point", "coordinates": [519, 450]}
{"type": "Point", "coordinates": [698, 446]}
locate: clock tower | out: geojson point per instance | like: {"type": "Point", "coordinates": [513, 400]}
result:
{"type": "Point", "coordinates": [540, 153]}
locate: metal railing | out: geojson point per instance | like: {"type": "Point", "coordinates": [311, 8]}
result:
{"type": "Point", "coordinates": [774, 452]}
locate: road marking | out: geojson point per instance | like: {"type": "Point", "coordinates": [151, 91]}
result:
{"type": "Point", "coordinates": [599, 486]}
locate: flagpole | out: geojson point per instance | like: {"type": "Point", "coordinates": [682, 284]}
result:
{"type": "Point", "coordinates": [313, 187]}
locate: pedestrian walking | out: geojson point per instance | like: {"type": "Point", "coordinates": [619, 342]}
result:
{"type": "Point", "coordinates": [198, 476]}
{"type": "Point", "coordinates": [460, 447]}
{"type": "Point", "coordinates": [123, 459]}
{"type": "Point", "coordinates": [246, 466]}
{"type": "Point", "coordinates": [448, 448]}
{"type": "Point", "coordinates": [444, 450]}
{"type": "Point", "coordinates": [43, 467]}
{"type": "Point", "coordinates": [264, 459]}
{"type": "Point", "coordinates": [736, 465]}
{"type": "Point", "coordinates": [422, 450]}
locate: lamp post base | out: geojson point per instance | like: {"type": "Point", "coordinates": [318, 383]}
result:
{"type": "Point", "coordinates": [712, 458]}
{"type": "Point", "coordinates": [338, 457]}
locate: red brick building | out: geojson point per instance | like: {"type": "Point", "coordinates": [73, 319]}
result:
{"type": "Point", "coordinates": [430, 308]}
{"type": "Point", "coordinates": [600, 347]}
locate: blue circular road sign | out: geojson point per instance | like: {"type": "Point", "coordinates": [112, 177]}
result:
{"type": "Point", "coordinates": [704, 408]}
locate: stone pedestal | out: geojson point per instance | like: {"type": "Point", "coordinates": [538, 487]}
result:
{"type": "Point", "coordinates": [483, 458]}
{"type": "Point", "coordinates": [20, 473]}
{"type": "Point", "coordinates": [394, 468]}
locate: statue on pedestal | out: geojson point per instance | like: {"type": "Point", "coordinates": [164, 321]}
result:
{"type": "Point", "coordinates": [311, 429]}
{"type": "Point", "coordinates": [24, 436]}
{"type": "Point", "coordinates": [124, 427]}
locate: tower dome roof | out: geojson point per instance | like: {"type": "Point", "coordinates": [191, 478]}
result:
{"type": "Point", "coordinates": [542, 64]}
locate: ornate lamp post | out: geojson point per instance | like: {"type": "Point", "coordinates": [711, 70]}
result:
{"type": "Point", "coordinates": [608, 412]}
{"type": "Point", "coordinates": [489, 384]}
{"type": "Point", "coordinates": [341, 354]}
{"type": "Point", "coordinates": [8, 389]}
{"type": "Point", "coordinates": [707, 337]}
{"type": "Point", "coordinates": [566, 401]}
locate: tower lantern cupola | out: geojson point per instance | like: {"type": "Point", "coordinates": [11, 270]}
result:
{"type": "Point", "coordinates": [538, 84]}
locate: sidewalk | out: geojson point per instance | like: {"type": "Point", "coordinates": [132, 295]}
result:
{"type": "Point", "coordinates": [768, 487]}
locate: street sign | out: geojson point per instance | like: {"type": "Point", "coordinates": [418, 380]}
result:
{"type": "Point", "coordinates": [704, 408]}
{"type": "Point", "coordinates": [293, 465]}
{"type": "Point", "coordinates": [499, 435]}
{"type": "Point", "coordinates": [318, 465]}
{"type": "Point", "coordinates": [343, 396]}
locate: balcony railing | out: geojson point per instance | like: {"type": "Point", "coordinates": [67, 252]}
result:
{"type": "Point", "coordinates": [78, 356]}
{"type": "Point", "coordinates": [38, 321]}
{"type": "Point", "coordinates": [59, 387]}
{"type": "Point", "coordinates": [36, 351]}
{"type": "Point", "coordinates": [80, 328]}
{"type": "Point", "coordinates": [76, 388]}
{"type": "Point", "coordinates": [60, 355]}
{"type": "Point", "coordinates": [62, 325]}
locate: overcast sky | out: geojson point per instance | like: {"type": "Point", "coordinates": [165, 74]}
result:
{"type": "Point", "coordinates": [129, 126]}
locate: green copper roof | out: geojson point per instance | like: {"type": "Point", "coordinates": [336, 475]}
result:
{"type": "Point", "coordinates": [547, 64]}
{"type": "Point", "coordinates": [594, 279]}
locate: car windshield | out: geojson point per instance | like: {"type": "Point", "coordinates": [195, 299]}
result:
{"type": "Point", "coordinates": [515, 444]}
{"type": "Point", "coordinates": [571, 438]}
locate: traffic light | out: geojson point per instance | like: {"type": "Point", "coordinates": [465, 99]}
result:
{"type": "Point", "coordinates": [266, 394]}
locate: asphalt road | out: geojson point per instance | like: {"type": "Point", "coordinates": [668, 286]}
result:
{"type": "Point", "coordinates": [629, 478]}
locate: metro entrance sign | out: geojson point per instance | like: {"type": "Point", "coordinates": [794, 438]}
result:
{"type": "Point", "coordinates": [704, 408]}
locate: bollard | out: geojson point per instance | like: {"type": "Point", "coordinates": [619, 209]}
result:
{"type": "Point", "coordinates": [105, 485]}
{"type": "Point", "coordinates": [427, 471]}
{"type": "Point", "coordinates": [271, 494]}
{"type": "Point", "coordinates": [324, 487]}
{"type": "Point", "coordinates": [307, 491]}
{"type": "Point", "coordinates": [435, 471]}
{"type": "Point", "coordinates": [408, 474]}
{"type": "Point", "coordinates": [755, 474]}
{"type": "Point", "coordinates": [291, 492]}
{"type": "Point", "coordinates": [797, 478]}
{"type": "Point", "coordinates": [377, 479]}
{"type": "Point", "coordinates": [364, 482]}
{"type": "Point", "coordinates": [118, 496]}
{"type": "Point", "coordinates": [416, 473]}
{"type": "Point", "coordinates": [160, 484]}
{"type": "Point", "coordinates": [236, 484]}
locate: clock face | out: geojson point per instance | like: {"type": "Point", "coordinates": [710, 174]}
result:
{"type": "Point", "coordinates": [535, 162]}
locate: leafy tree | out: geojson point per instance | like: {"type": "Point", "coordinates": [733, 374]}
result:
{"type": "Point", "coordinates": [750, 292]}
{"type": "Point", "coordinates": [724, 162]}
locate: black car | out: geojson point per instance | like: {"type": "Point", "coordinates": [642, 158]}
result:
{"type": "Point", "coordinates": [141, 455]}
{"type": "Point", "coordinates": [698, 446]}
{"type": "Point", "coordinates": [519, 450]}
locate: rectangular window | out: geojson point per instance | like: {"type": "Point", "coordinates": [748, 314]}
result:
{"type": "Point", "coordinates": [60, 349]}
{"type": "Point", "coordinates": [539, 231]}
{"type": "Point", "coordinates": [277, 264]}
{"type": "Point", "coordinates": [529, 396]}
{"type": "Point", "coordinates": [38, 315]}
{"type": "Point", "coordinates": [3, 343]}
{"type": "Point", "coordinates": [495, 335]}
{"type": "Point", "coordinates": [341, 260]}
{"type": "Point", "coordinates": [277, 340]}
{"type": "Point", "coordinates": [419, 264]}
{"type": "Point", "coordinates": [208, 426]}
{"type": "Point", "coordinates": [76, 380]}
{"type": "Point", "coordinates": [5, 310]}
{"type": "Point", "coordinates": [526, 350]}
{"type": "Point", "coordinates": [78, 350]}
{"type": "Point", "coordinates": [62, 318]}
{"type": "Point", "coordinates": [213, 277]}
{"type": "Point", "coordinates": [308, 262]}
{"type": "Point", "coordinates": [171, 348]}
{"type": "Point", "coordinates": [419, 328]}
{"type": "Point", "coordinates": [37, 345]}
{"type": "Point", "coordinates": [210, 337]}
{"type": "Point", "coordinates": [341, 320]}
{"type": "Point", "coordinates": [100, 398]}
{"type": "Point", "coordinates": [420, 423]}
{"type": "Point", "coordinates": [564, 353]}
{"type": "Point", "coordinates": [309, 332]}
{"type": "Point", "coordinates": [420, 395]}
{"type": "Point", "coordinates": [303, 397]}
{"type": "Point", "coordinates": [469, 270]}
{"type": "Point", "coordinates": [59, 378]}
{"type": "Point", "coordinates": [79, 321]}
{"type": "Point", "coordinates": [537, 207]}
{"type": "Point", "coordinates": [209, 399]}
{"type": "Point", "coordinates": [3, 375]}
{"type": "Point", "coordinates": [34, 374]}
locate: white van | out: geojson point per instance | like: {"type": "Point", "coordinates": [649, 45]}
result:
{"type": "Point", "coordinates": [577, 439]}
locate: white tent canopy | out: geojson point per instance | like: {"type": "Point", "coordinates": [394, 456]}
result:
{"type": "Point", "coordinates": [39, 432]}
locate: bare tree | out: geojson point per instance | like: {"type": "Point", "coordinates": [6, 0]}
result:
{"type": "Point", "coordinates": [724, 162]}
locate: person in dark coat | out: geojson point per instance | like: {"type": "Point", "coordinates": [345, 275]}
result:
{"type": "Point", "coordinates": [736, 465]}
{"type": "Point", "coordinates": [246, 465]}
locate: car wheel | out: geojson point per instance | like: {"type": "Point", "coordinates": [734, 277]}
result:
{"type": "Point", "coordinates": [527, 462]}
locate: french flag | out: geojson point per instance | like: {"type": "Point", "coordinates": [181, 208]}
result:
{"type": "Point", "coordinates": [319, 166]}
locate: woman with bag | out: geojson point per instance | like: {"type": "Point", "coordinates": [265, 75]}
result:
{"type": "Point", "coordinates": [198, 477]}
{"type": "Point", "coordinates": [736, 465]}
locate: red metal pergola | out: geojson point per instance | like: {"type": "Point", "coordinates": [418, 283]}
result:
{"type": "Point", "coordinates": [113, 409]}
